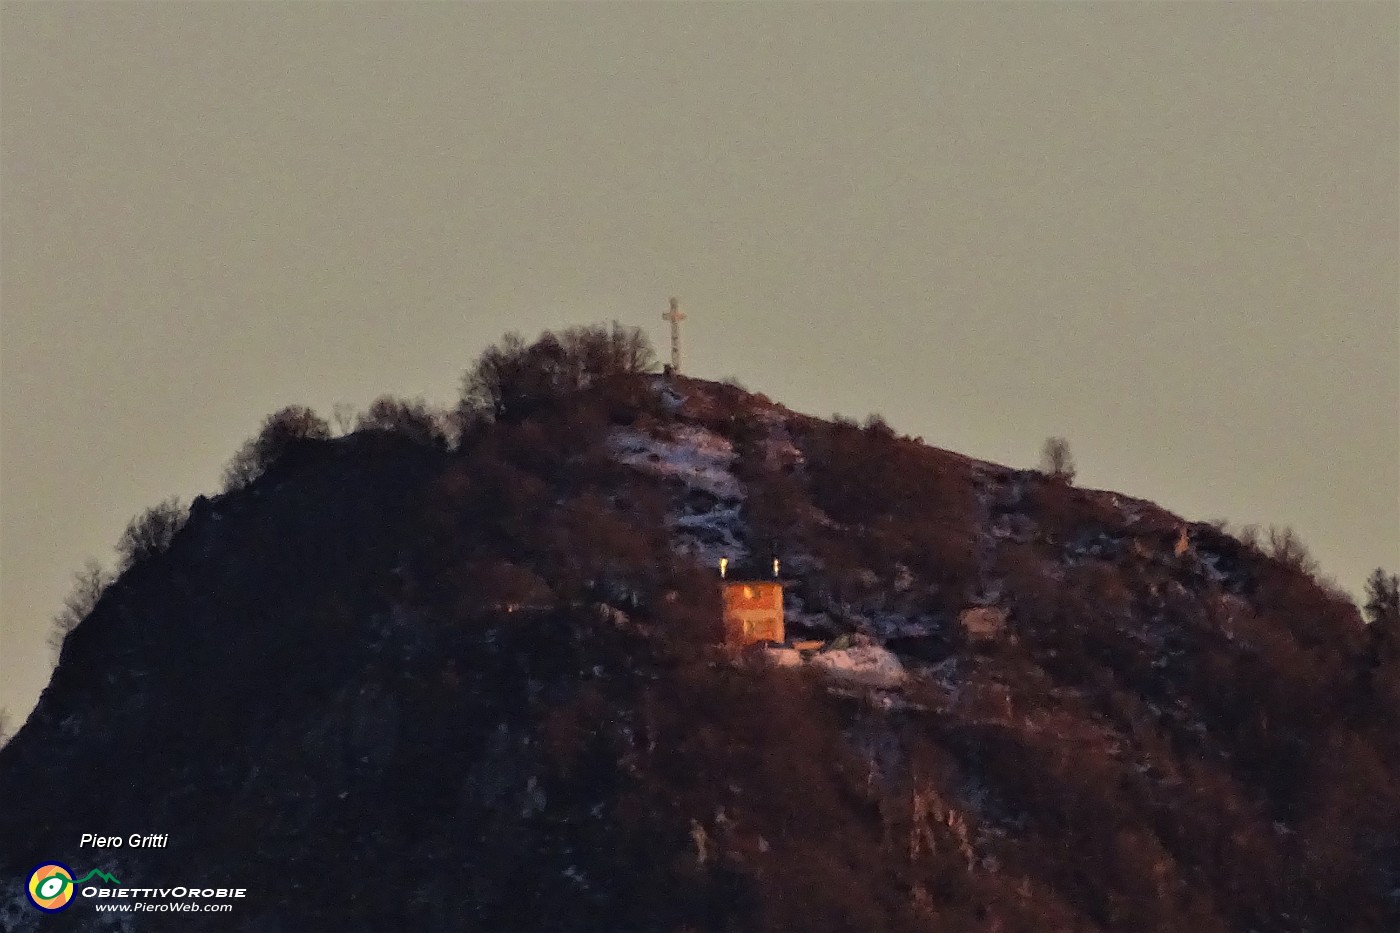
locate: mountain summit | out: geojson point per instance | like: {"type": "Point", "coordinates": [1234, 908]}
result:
{"type": "Point", "coordinates": [387, 682]}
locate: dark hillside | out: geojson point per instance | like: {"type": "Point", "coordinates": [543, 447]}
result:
{"type": "Point", "coordinates": [387, 685]}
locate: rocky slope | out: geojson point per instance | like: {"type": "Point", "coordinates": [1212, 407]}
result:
{"type": "Point", "coordinates": [390, 686]}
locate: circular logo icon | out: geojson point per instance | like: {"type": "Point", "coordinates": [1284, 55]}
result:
{"type": "Point", "coordinates": [51, 887]}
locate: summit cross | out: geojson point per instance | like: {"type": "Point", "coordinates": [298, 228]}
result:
{"type": "Point", "coordinates": [675, 316]}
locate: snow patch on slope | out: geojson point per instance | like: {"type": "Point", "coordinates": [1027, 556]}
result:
{"type": "Point", "coordinates": [708, 536]}
{"type": "Point", "coordinates": [867, 665]}
{"type": "Point", "coordinates": [698, 458]}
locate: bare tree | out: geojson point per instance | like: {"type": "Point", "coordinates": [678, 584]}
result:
{"type": "Point", "coordinates": [511, 379]}
{"type": "Point", "coordinates": [4, 727]}
{"type": "Point", "coordinates": [88, 586]}
{"type": "Point", "coordinates": [413, 419]}
{"type": "Point", "coordinates": [1056, 459]}
{"type": "Point", "coordinates": [279, 431]}
{"type": "Point", "coordinates": [1249, 536]}
{"type": "Point", "coordinates": [151, 532]}
{"type": "Point", "coordinates": [488, 386]}
{"type": "Point", "coordinates": [343, 417]}
{"type": "Point", "coordinates": [1284, 545]}
{"type": "Point", "coordinates": [243, 467]}
{"type": "Point", "coordinates": [597, 351]}
{"type": "Point", "coordinates": [877, 426]}
{"type": "Point", "coordinates": [1383, 599]}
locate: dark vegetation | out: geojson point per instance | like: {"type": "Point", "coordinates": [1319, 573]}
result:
{"type": "Point", "coordinates": [88, 586]}
{"type": "Point", "coordinates": [411, 419]}
{"type": "Point", "coordinates": [1056, 461]}
{"type": "Point", "coordinates": [513, 380]}
{"type": "Point", "coordinates": [282, 431]}
{"type": "Point", "coordinates": [458, 665]}
{"type": "Point", "coordinates": [149, 534]}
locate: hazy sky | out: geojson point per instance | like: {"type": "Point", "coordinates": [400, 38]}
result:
{"type": "Point", "coordinates": [1167, 232]}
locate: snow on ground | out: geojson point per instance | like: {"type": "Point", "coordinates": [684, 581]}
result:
{"type": "Point", "coordinates": [947, 675]}
{"type": "Point", "coordinates": [708, 536]}
{"type": "Point", "coordinates": [783, 657]}
{"type": "Point", "coordinates": [797, 617]}
{"type": "Point", "coordinates": [672, 399]}
{"type": "Point", "coordinates": [699, 458]}
{"type": "Point", "coordinates": [901, 625]}
{"type": "Point", "coordinates": [867, 665]}
{"type": "Point", "coordinates": [1210, 565]}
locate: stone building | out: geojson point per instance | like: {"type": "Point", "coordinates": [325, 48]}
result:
{"type": "Point", "coordinates": [753, 608]}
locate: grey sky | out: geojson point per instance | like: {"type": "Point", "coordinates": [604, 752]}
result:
{"type": "Point", "coordinates": [1167, 232]}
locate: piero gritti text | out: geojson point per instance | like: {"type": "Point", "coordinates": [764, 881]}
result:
{"type": "Point", "coordinates": [134, 841]}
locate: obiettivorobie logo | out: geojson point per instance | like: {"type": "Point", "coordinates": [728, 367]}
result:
{"type": "Point", "coordinates": [51, 885]}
